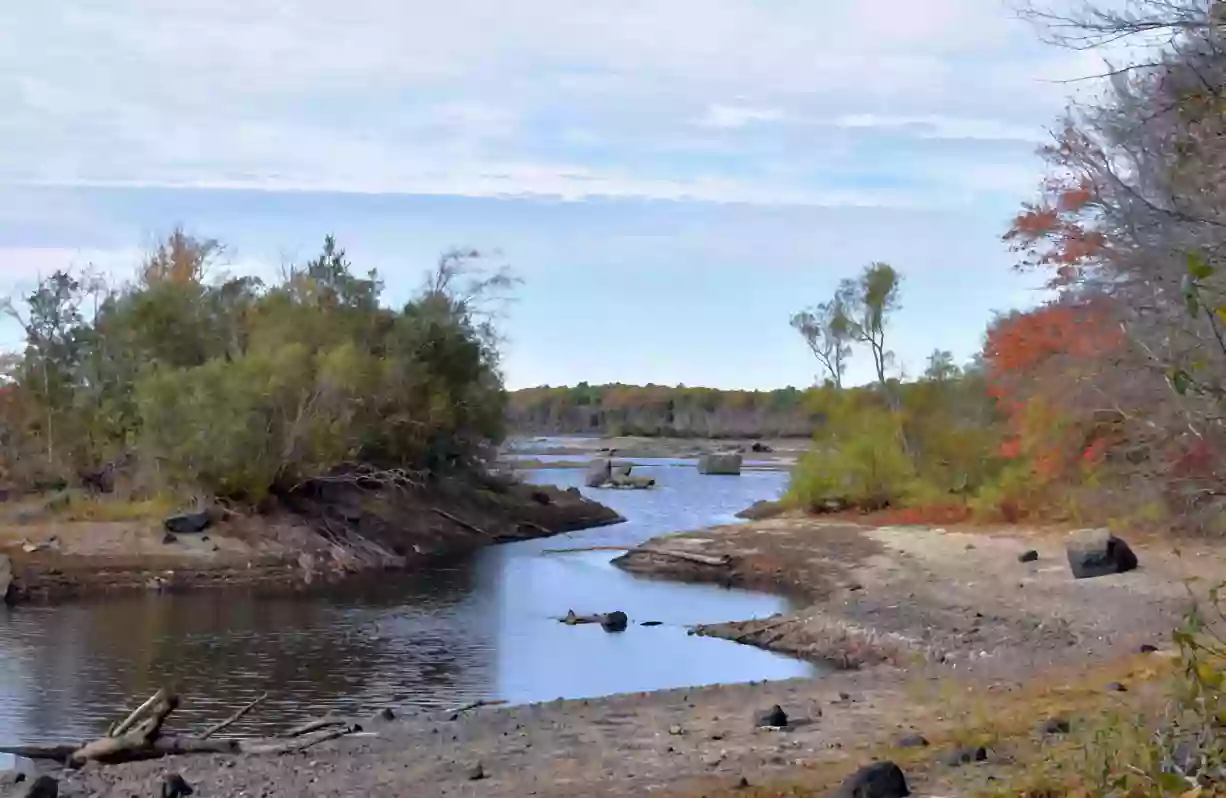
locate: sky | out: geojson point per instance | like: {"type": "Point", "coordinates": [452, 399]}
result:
{"type": "Point", "coordinates": [671, 179]}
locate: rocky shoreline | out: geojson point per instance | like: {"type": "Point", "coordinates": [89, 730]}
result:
{"type": "Point", "coordinates": [936, 639]}
{"type": "Point", "coordinates": [304, 547]}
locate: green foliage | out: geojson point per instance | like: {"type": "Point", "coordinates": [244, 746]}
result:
{"type": "Point", "coordinates": [659, 410]}
{"type": "Point", "coordinates": [241, 389]}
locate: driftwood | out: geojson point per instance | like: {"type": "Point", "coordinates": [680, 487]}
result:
{"type": "Point", "coordinates": [478, 705]}
{"type": "Point", "coordinates": [715, 561]}
{"type": "Point", "coordinates": [139, 736]}
{"type": "Point", "coordinates": [460, 522]}
{"type": "Point", "coordinates": [312, 726]}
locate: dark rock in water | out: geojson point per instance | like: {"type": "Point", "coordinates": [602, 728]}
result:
{"type": "Point", "coordinates": [1096, 552]}
{"type": "Point", "coordinates": [962, 756]}
{"type": "Point", "coordinates": [773, 717]}
{"type": "Point", "coordinates": [475, 773]}
{"type": "Point", "coordinates": [615, 621]}
{"type": "Point", "coordinates": [175, 786]}
{"type": "Point", "coordinates": [188, 523]}
{"type": "Point", "coordinates": [761, 448]}
{"type": "Point", "coordinates": [878, 780]}
{"type": "Point", "coordinates": [912, 741]}
{"type": "Point", "coordinates": [384, 715]}
{"type": "Point", "coordinates": [1146, 648]}
{"type": "Point", "coordinates": [599, 471]}
{"type": "Point", "coordinates": [1028, 556]}
{"type": "Point", "coordinates": [1054, 726]}
{"type": "Point", "coordinates": [42, 787]}
{"type": "Point", "coordinates": [650, 623]}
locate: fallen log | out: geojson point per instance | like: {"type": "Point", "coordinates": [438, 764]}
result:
{"type": "Point", "coordinates": [50, 753]}
{"type": "Point", "coordinates": [718, 561]}
{"type": "Point", "coordinates": [460, 522]}
{"type": "Point", "coordinates": [312, 726]}
{"type": "Point", "coordinates": [137, 714]}
{"type": "Point", "coordinates": [125, 746]}
{"type": "Point", "coordinates": [139, 737]}
{"type": "Point", "coordinates": [300, 744]}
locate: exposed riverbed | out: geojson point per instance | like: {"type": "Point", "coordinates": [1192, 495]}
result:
{"type": "Point", "coordinates": [480, 629]}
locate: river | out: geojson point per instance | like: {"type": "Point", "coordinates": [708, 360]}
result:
{"type": "Point", "coordinates": [483, 629]}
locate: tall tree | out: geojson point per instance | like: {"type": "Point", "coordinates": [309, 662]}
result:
{"type": "Point", "coordinates": [870, 300]}
{"type": "Point", "coordinates": [827, 332]}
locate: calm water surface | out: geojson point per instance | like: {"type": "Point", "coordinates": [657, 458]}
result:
{"type": "Point", "coordinates": [483, 629]}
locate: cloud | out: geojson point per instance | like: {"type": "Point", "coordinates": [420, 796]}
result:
{"type": "Point", "coordinates": [728, 116]}
{"type": "Point", "coordinates": [705, 99]}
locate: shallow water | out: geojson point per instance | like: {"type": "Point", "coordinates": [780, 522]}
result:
{"type": "Point", "coordinates": [483, 629]}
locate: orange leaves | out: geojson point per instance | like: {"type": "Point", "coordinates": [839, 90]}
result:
{"type": "Point", "coordinates": [1022, 342]}
{"type": "Point", "coordinates": [1057, 232]}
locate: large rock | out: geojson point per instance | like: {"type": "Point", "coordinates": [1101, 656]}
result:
{"type": "Point", "coordinates": [878, 780]}
{"type": "Point", "coordinates": [722, 463]}
{"type": "Point", "coordinates": [1096, 552]}
{"type": "Point", "coordinates": [598, 472]}
{"type": "Point", "coordinates": [188, 523]}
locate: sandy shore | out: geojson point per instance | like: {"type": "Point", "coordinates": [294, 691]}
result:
{"type": "Point", "coordinates": [942, 633]}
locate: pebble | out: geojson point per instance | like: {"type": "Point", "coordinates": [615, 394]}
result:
{"type": "Point", "coordinates": [475, 773]}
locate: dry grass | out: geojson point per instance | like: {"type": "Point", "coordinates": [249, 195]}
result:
{"type": "Point", "coordinates": [954, 714]}
{"type": "Point", "coordinates": [104, 509]}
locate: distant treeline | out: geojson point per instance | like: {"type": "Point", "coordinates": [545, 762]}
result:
{"type": "Point", "coordinates": [659, 410]}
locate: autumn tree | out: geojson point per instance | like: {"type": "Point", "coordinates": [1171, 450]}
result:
{"type": "Point", "coordinates": [1134, 212]}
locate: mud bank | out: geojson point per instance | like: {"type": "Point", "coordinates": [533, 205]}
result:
{"type": "Point", "coordinates": [703, 741]}
{"type": "Point", "coordinates": [954, 599]}
{"type": "Point", "coordinates": [304, 543]}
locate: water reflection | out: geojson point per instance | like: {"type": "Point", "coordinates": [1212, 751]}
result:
{"type": "Point", "coordinates": [482, 629]}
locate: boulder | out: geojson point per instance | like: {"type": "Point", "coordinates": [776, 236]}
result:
{"type": "Point", "coordinates": [615, 621]}
{"type": "Point", "coordinates": [42, 787]}
{"type": "Point", "coordinates": [774, 718]}
{"type": "Point", "coordinates": [761, 448]}
{"type": "Point", "coordinates": [7, 589]}
{"type": "Point", "coordinates": [1096, 552]}
{"type": "Point", "coordinates": [1030, 555]}
{"type": "Point", "coordinates": [188, 523]}
{"type": "Point", "coordinates": [878, 780]}
{"type": "Point", "coordinates": [598, 472]}
{"type": "Point", "coordinates": [722, 464]}
{"type": "Point", "coordinates": [633, 483]}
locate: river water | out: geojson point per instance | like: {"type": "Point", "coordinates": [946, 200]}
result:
{"type": "Point", "coordinates": [483, 629]}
